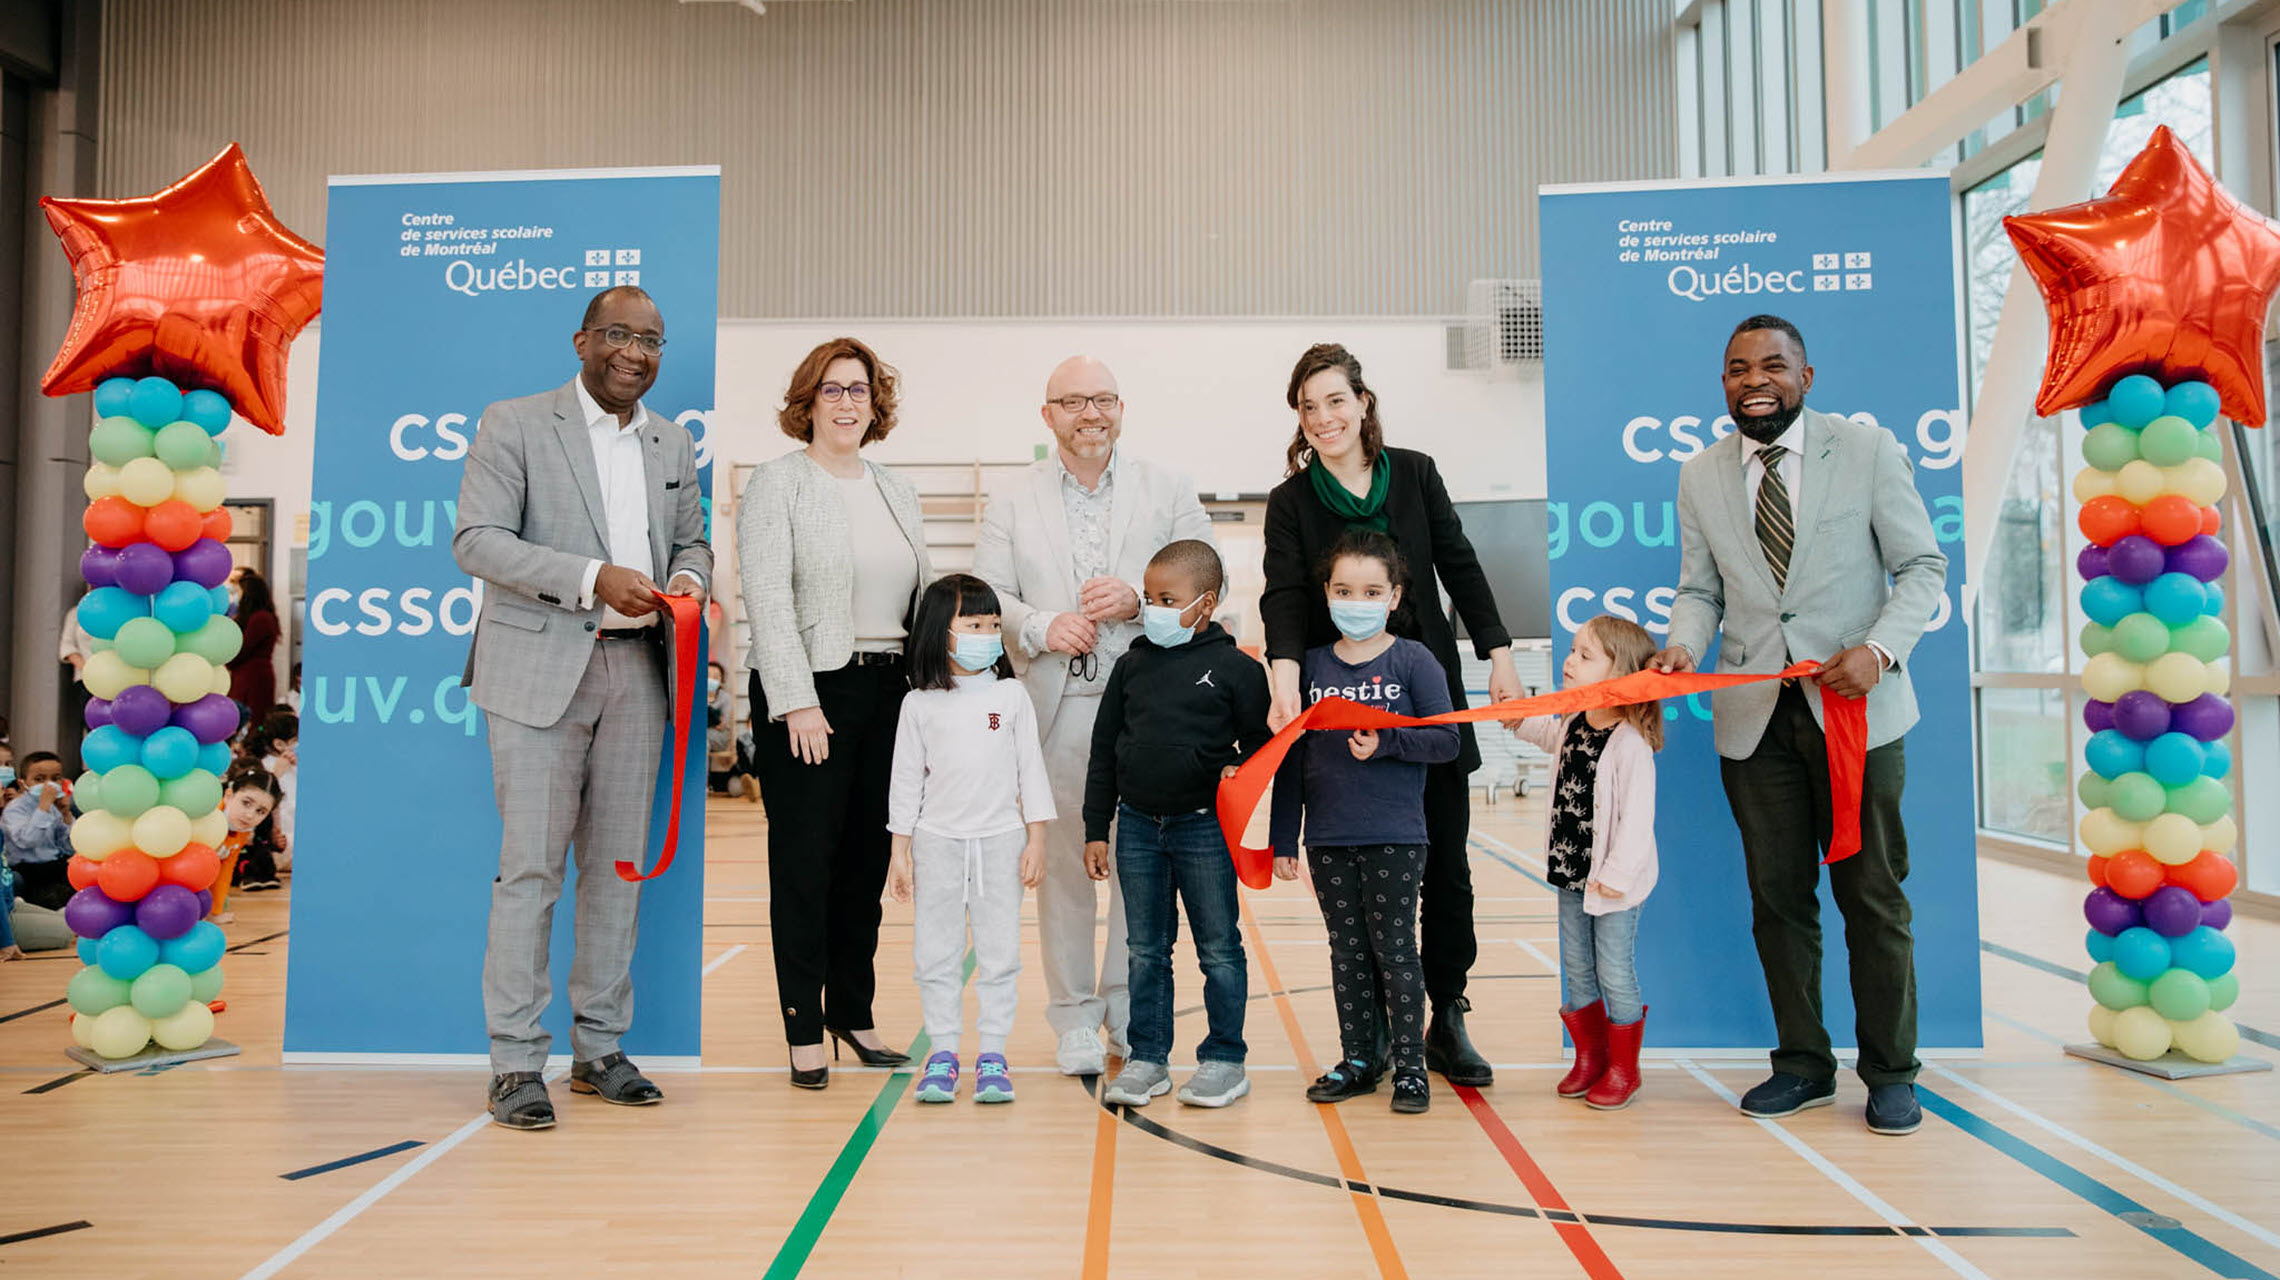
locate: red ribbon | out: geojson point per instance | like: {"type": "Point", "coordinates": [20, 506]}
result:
{"type": "Point", "coordinates": [1844, 723]}
{"type": "Point", "coordinates": [687, 621]}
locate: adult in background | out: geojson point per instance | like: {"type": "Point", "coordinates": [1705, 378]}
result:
{"type": "Point", "coordinates": [1064, 545]}
{"type": "Point", "coordinates": [831, 549]}
{"type": "Point", "coordinates": [1802, 536]}
{"type": "Point", "coordinates": [1342, 475]}
{"type": "Point", "coordinates": [573, 502]}
{"type": "Point", "coordinates": [253, 672]}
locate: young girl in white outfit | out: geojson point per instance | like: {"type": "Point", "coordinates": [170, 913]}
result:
{"type": "Point", "coordinates": [967, 804]}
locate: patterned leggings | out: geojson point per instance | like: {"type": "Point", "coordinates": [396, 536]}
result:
{"type": "Point", "coordinates": [1368, 895]}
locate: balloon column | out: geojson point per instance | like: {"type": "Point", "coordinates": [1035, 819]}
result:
{"type": "Point", "coordinates": [2157, 293]}
{"type": "Point", "coordinates": [188, 301]}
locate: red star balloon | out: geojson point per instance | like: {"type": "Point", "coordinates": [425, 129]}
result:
{"type": "Point", "coordinates": [2166, 274]}
{"type": "Point", "coordinates": [200, 284]}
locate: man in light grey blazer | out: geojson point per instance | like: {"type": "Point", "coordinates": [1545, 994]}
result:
{"type": "Point", "coordinates": [1064, 546]}
{"type": "Point", "coordinates": [573, 500]}
{"type": "Point", "coordinates": [1803, 536]}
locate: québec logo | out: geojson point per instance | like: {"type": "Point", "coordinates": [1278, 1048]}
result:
{"type": "Point", "coordinates": [602, 269]}
{"type": "Point", "coordinates": [1845, 272]}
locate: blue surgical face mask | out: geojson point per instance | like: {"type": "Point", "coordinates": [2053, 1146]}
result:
{"type": "Point", "coordinates": [1162, 624]}
{"type": "Point", "coordinates": [7, 775]}
{"type": "Point", "coordinates": [712, 686]}
{"type": "Point", "coordinates": [1358, 619]}
{"type": "Point", "coordinates": [976, 651]}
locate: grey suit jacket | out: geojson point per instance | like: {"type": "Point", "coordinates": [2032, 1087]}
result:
{"type": "Point", "coordinates": [530, 517]}
{"type": "Point", "coordinates": [797, 565]}
{"type": "Point", "coordinates": [1864, 567]}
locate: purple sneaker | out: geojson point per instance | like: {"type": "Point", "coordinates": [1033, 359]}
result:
{"type": "Point", "coordinates": [940, 1083]}
{"type": "Point", "coordinates": [991, 1083]}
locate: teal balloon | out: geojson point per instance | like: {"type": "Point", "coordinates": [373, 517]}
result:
{"type": "Point", "coordinates": [2111, 988]}
{"type": "Point", "coordinates": [2114, 753]}
{"type": "Point", "coordinates": [126, 792]}
{"type": "Point", "coordinates": [2194, 401]}
{"type": "Point", "coordinates": [2216, 759]}
{"type": "Point", "coordinates": [214, 758]}
{"type": "Point", "coordinates": [208, 409]}
{"type": "Point", "coordinates": [91, 991]}
{"type": "Point", "coordinates": [2094, 413]}
{"type": "Point", "coordinates": [144, 642]}
{"type": "Point", "coordinates": [2094, 791]}
{"type": "Point", "coordinates": [2204, 800]}
{"type": "Point", "coordinates": [217, 641]}
{"type": "Point", "coordinates": [183, 446]}
{"type": "Point", "coordinates": [2136, 797]}
{"type": "Point", "coordinates": [2179, 995]}
{"type": "Point", "coordinates": [196, 793]}
{"type": "Point", "coordinates": [2210, 446]}
{"type": "Point", "coordinates": [155, 402]}
{"type": "Point", "coordinates": [2108, 600]}
{"type": "Point", "coordinates": [125, 952]}
{"type": "Point", "coordinates": [2140, 637]}
{"type": "Point", "coordinates": [2141, 954]}
{"type": "Point", "coordinates": [2223, 990]}
{"type": "Point", "coordinates": [119, 441]}
{"type": "Point", "coordinates": [2174, 759]}
{"type": "Point", "coordinates": [105, 609]}
{"type": "Point", "coordinates": [206, 984]}
{"type": "Point", "coordinates": [160, 991]}
{"type": "Point", "coordinates": [2110, 446]}
{"type": "Point", "coordinates": [2166, 442]}
{"type": "Point", "coordinates": [170, 753]}
{"type": "Point", "coordinates": [2216, 594]}
{"type": "Point", "coordinates": [2097, 638]}
{"type": "Point", "coordinates": [2100, 946]}
{"type": "Point", "coordinates": [2205, 638]}
{"type": "Point", "coordinates": [183, 606]}
{"type": "Point", "coordinates": [111, 396]}
{"type": "Point", "coordinates": [196, 951]}
{"type": "Point", "coordinates": [2176, 598]}
{"type": "Point", "coordinates": [2136, 400]}
{"type": "Point", "coordinates": [2205, 951]}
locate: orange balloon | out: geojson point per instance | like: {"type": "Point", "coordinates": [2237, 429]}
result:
{"type": "Point", "coordinates": [81, 871]}
{"type": "Point", "coordinates": [2169, 519]}
{"type": "Point", "coordinates": [217, 525]}
{"type": "Point", "coordinates": [195, 868]}
{"type": "Point", "coordinates": [127, 875]}
{"type": "Point", "coordinates": [2133, 873]}
{"type": "Point", "coordinates": [2211, 521]}
{"type": "Point", "coordinates": [2209, 876]}
{"type": "Point", "coordinates": [113, 521]}
{"type": "Point", "coordinates": [173, 524]}
{"type": "Point", "coordinates": [2098, 870]}
{"type": "Point", "coordinates": [2109, 519]}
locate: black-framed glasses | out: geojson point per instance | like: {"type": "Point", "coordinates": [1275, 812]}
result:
{"type": "Point", "coordinates": [1085, 666]}
{"type": "Point", "coordinates": [834, 392]}
{"type": "Point", "coordinates": [1106, 402]}
{"type": "Point", "coordinates": [619, 337]}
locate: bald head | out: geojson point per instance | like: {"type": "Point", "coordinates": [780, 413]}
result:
{"type": "Point", "coordinates": [1088, 432]}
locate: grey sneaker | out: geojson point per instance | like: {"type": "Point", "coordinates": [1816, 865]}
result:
{"type": "Point", "coordinates": [1215, 1084]}
{"type": "Point", "coordinates": [1138, 1082]}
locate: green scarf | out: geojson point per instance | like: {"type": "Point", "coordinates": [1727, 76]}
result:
{"type": "Point", "coordinates": [1358, 513]}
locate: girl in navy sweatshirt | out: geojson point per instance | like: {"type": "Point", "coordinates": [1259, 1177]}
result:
{"type": "Point", "coordinates": [1360, 798]}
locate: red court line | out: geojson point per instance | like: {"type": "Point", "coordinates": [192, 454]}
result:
{"type": "Point", "coordinates": [1575, 1235]}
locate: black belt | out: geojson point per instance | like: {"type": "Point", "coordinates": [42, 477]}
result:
{"type": "Point", "coordinates": [625, 633]}
{"type": "Point", "coordinates": [865, 658]}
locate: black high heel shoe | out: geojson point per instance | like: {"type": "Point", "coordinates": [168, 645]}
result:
{"type": "Point", "coordinates": [819, 1078]}
{"type": "Point", "coordinates": [868, 1057]}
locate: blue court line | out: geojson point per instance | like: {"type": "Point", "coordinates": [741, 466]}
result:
{"type": "Point", "coordinates": [2262, 1037]}
{"type": "Point", "coordinates": [346, 1161]}
{"type": "Point", "coordinates": [1478, 847]}
{"type": "Point", "coordinates": [2190, 1244]}
{"type": "Point", "coordinates": [2213, 1108]}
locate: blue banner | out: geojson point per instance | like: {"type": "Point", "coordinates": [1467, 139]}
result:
{"type": "Point", "coordinates": [443, 294]}
{"type": "Point", "coordinates": [1642, 287]}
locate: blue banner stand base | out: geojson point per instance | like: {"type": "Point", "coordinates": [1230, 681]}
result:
{"type": "Point", "coordinates": [2169, 1066]}
{"type": "Point", "coordinates": [151, 1057]}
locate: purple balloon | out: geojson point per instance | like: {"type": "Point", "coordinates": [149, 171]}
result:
{"type": "Point", "coordinates": [2200, 555]}
{"type": "Point", "coordinates": [2097, 716]}
{"type": "Point", "coordinates": [141, 710]}
{"type": "Point", "coordinates": [2107, 911]}
{"type": "Point", "coordinates": [205, 562]}
{"type": "Point", "coordinates": [2136, 559]}
{"type": "Point", "coordinates": [2141, 715]}
{"type": "Point", "coordinates": [205, 904]}
{"type": "Point", "coordinates": [144, 568]}
{"type": "Point", "coordinates": [97, 713]}
{"type": "Point", "coordinates": [2217, 914]}
{"type": "Point", "coordinates": [99, 566]}
{"type": "Point", "coordinates": [168, 911]}
{"type": "Point", "coordinates": [2207, 717]}
{"type": "Point", "coordinates": [2092, 562]}
{"type": "Point", "coordinates": [210, 719]}
{"type": "Point", "coordinates": [2171, 911]}
{"type": "Point", "coordinates": [91, 913]}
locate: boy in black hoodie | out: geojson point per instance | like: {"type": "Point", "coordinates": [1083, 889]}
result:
{"type": "Point", "coordinates": [1182, 707]}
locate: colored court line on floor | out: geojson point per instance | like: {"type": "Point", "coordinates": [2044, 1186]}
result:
{"type": "Point", "coordinates": [2122, 1207]}
{"type": "Point", "coordinates": [255, 942]}
{"type": "Point", "coordinates": [1366, 1208]}
{"type": "Point", "coordinates": [721, 959]}
{"type": "Point", "coordinates": [60, 1081]}
{"type": "Point", "coordinates": [37, 1008]}
{"type": "Point", "coordinates": [1102, 1204]}
{"type": "Point", "coordinates": [1573, 1233]}
{"type": "Point", "coordinates": [2216, 1109]}
{"type": "Point", "coordinates": [377, 1153]}
{"type": "Point", "coordinates": [2257, 1034]}
{"type": "Point", "coordinates": [42, 1233]}
{"type": "Point", "coordinates": [828, 1194]}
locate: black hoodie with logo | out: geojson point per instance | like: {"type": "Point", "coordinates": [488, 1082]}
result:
{"type": "Point", "coordinates": [1169, 721]}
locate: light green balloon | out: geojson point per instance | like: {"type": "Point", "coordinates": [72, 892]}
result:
{"type": "Point", "coordinates": [2136, 797]}
{"type": "Point", "coordinates": [87, 793]}
{"type": "Point", "coordinates": [2110, 446]}
{"type": "Point", "coordinates": [2210, 447]}
{"type": "Point", "coordinates": [217, 642]}
{"type": "Point", "coordinates": [2095, 791]}
{"type": "Point", "coordinates": [2141, 637]}
{"type": "Point", "coordinates": [161, 990]}
{"type": "Point", "coordinates": [2205, 638]}
{"type": "Point", "coordinates": [183, 446]}
{"type": "Point", "coordinates": [2166, 442]}
{"type": "Point", "coordinates": [127, 791]}
{"type": "Point", "coordinates": [2204, 800]}
{"type": "Point", "coordinates": [2097, 638]}
{"type": "Point", "coordinates": [206, 984]}
{"type": "Point", "coordinates": [91, 991]}
{"type": "Point", "coordinates": [119, 441]}
{"type": "Point", "coordinates": [2179, 995]}
{"type": "Point", "coordinates": [196, 793]}
{"type": "Point", "coordinates": [2223, 990]}
{"type": "Point", "coordinates": [2110, 987]}
{"type": "Point", "coordinates": [144, 642]}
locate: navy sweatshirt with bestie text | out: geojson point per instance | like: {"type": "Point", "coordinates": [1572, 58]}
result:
{"type": "Point", "coordinates": [1381, 800]}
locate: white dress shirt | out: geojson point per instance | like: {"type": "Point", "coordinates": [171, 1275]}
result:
{"type": "Point", "coordinates": [624, 474]}
{"type": "Point", "coordinates": [1792, 468]}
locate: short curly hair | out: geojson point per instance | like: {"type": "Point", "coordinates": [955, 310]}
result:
{"type": "Point", "coordinates": [799, 400]}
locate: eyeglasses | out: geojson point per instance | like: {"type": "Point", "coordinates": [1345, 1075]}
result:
{"type": "Point", "coordinates": [1106, 402]}
{"type": "Point", "coordinates": [1085, 666]}
{"type": "Point", "coordinates": [833, 392]}
{"type": "Point", "coordinates": [619, 337]}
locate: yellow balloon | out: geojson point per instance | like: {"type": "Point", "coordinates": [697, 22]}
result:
{"type": "Point", "coordinates": [2220, 836]}
{"type": "Point", "coordinates": [221, 679]}
{"type": "Point", "coordinates": [2090, 483]}
{"type": "Point", "coordinates": [100, 834]}
{"type": "Point", "coordinates": [2173, 677]}
{"type": "Point", "coordinates": [2141, 1033]}
{"type": "Point", "coordinates": [146, 482]}
{"type": "Point", "coordinates": [101, 481]}
{"type": "Point", "coordinates": [2139, 481]}
{"type": "Point", "coordinates": [162, 830]}
{"type": "Point", "coordinates": [119, 1032]}
{"type": "Point", "coordinates": [2198, 479]}
{"type": "Point", "coordinates": [201, 487]}
{"type": "Point", "coordinates": [2102, 1024]}
{"type": "Point", "coordinates": [2109, 675]}
{"type": "Point", "coordinates": [83, 1031]}
{"type": "Point", "coordinates": [210, 829]}
{"type": "Point", "coordinates": [186, 677]}
{"type": "Point", "coordinates": [2106, 835]}
{"type": "Point", "coordinates": [2173, 839]}
{"type": "Point", "coordinates": [2217, 678]}
{"type": "Point", "coordinates": [106, 674]}
{"type": "Point", "coordinates": [2212, 1037]}
{"type": "Point", "coordinates": [185, 1028]}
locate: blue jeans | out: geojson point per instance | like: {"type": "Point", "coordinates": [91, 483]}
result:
{"type": "Point", "coordinates": [1599, 959]}
{"type": "Point", "coordinates": [1182, 854]}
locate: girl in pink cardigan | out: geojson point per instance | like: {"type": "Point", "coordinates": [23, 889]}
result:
{"type": "Point", "coordinates": [1600, 858]}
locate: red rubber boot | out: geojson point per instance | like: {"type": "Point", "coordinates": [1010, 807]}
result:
{"type": "Point", "coordinates": [1588, 1028]}
{"type": "Point", "coordinates": [1621, 1083]}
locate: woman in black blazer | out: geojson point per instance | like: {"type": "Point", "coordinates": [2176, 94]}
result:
{"type": "Point", "coordinates": [1342, 475]}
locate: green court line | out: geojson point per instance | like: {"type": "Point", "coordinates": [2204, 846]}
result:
{"type": "Point", "coordinates": [828, 1193]}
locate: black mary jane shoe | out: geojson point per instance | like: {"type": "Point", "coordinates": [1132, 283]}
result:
{"type": "Point", "coordinates": [1349, 1079]}
{"type": "Point", "coordinates": [868, 1057]}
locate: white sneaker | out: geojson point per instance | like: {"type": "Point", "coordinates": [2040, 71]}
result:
{"type": "Point", "coordinates": [1079, 1054]}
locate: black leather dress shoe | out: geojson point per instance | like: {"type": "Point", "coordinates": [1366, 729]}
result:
{"type": "Point", "coordinates": [1893, 1110]}
{"type": "Point", "coordinates": [614, 1079]}
{"type": "Point", "coordinates": [1783, 1094]}
{"type": "Point", "coordinates": [1449, 1050]}
{"type": "Point", "coordinates": [519, 1101]}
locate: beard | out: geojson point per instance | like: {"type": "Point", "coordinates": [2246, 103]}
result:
{"type": "Point", "coordinates": [1768, 428]}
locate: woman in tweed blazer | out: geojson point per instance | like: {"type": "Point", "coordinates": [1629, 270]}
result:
{"type": "Point", "coordinates": [831, 551]}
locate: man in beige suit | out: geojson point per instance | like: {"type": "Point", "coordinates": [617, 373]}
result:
{"type": "Point", "coordinates": [1064, 545]}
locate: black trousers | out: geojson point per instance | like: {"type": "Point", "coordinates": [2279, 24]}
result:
{"type": "Point", "coordinates": [1446, 941]}
{"type": "Point", "coordinates": [1780, 798]}
{"type": "Point", "coordinates": [828, 847]}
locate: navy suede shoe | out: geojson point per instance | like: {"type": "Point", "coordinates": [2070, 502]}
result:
{"type": "Point", "coordinates": [1785, 1095]}
{"type": "Point", "coordinates": [1893, 1111]}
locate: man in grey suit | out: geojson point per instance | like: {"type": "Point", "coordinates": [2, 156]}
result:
{"type": "Point", "coordinates": [1803, 536]}
{"type": "Point", "coordinates": [572, 500]}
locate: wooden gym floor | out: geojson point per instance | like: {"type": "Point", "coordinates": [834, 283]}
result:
{"type": "Point", "coordinates": [2029, 1163]}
